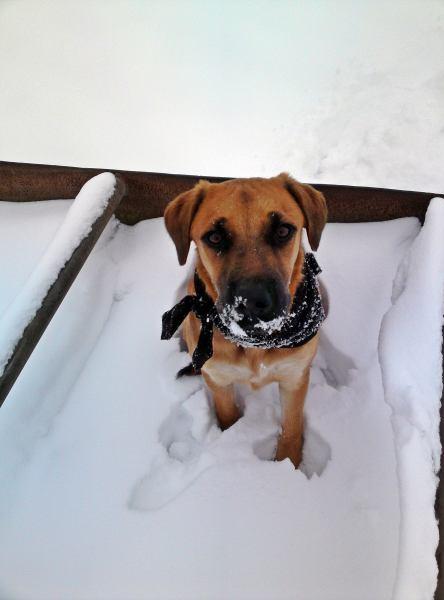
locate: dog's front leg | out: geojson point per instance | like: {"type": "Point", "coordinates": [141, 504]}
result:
{"type": "Point", "coordinates": [224, 402]}
{"type": "Point", "coordinates": [292, 397]}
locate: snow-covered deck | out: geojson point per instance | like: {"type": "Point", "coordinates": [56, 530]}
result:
{"type": "Point", "coordinates": [117, 482]}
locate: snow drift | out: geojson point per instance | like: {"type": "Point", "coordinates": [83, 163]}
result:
{"type": "Point", "coordinates": [411, 364]}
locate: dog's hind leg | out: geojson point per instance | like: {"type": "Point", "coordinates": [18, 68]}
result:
{"type": "Point", "coordinates": [225, 406]}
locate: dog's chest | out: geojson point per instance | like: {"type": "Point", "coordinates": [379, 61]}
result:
{"type": "Point", "coordinates": [256, 373]}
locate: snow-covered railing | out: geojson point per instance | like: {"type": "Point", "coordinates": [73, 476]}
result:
{"type": "Point", "coordinates": [25, 320]}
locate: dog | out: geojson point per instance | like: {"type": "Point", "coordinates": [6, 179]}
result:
{"type": "Point", "coordinates": [250, 260]}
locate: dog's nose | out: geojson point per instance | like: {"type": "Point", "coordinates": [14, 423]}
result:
{"type": "Point", "coordinates": [255, 298]}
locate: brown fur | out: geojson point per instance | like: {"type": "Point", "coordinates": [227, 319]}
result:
{"type": "Point", "coordinates": [245, 205]}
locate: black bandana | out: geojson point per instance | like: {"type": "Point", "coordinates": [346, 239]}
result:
{"type": "Point", "coordinates": [294, 329]}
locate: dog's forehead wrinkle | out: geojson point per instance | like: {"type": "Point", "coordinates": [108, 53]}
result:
{"type": "Point", "coordinates": [244, 196]}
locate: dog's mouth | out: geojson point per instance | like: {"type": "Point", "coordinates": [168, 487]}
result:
{"type": "Point", "coordinates": [242, 324]}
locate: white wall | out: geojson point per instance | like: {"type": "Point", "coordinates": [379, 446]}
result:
{"type": "Point", "coordinates": [346, 92]}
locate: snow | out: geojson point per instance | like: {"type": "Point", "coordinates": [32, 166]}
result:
{"type": "Point", "coordinates": [89, 204]}
{"type": "Point", "coordinates": [116, 482]}
{"type": "Point", "coordinates": [411, 363]}
{"type": "Point", "coordinates": [123, 485]}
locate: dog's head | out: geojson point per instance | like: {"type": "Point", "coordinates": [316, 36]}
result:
{"type": "Point", "coordinates": [248, 237]}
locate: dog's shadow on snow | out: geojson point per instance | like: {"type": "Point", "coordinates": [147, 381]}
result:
{"type": "Point", "coordinates": [190, 441]}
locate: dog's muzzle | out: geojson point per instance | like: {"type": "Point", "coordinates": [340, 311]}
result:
{"type": "Point", "coordinates": [255, 299]}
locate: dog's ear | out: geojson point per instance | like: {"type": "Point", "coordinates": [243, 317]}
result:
{"type": "Point", "coordinates": [312, 203]}
{"type": "Point", "coordinates": [179, 215]}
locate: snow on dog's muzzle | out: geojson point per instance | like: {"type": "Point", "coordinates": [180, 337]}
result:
{"type": "Point", "coordinates": [253, 299]}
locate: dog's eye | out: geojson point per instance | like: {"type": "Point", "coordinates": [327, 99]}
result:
{"type": "Point", "coordinates": [282, 234]}
{"type": "Point", "coordinates": [214, 238]}
{"type": "Point", "coordinates": [283, 231]}
{"type": "Point", "coordinates": [217, 239]}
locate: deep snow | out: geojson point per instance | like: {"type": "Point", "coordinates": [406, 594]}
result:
{"type": "Point", "coordinates": [118, 483]}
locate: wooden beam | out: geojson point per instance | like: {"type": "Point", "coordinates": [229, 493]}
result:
{"type": "Point", "coordinates": [149, 193]}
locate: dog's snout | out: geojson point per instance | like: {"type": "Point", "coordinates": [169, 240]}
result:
{"type": "Point", "coordinates": [255, 298]}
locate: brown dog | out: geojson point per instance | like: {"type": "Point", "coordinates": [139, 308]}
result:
{"type": "Point", "coordinates": [248, 238]}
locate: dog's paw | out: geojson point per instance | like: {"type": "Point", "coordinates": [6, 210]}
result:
{"type": "Point", "coordinates": [289, 449]}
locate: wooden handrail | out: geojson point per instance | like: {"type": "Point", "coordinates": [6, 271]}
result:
{"type": "Point", "coordinates": [149, 193]}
